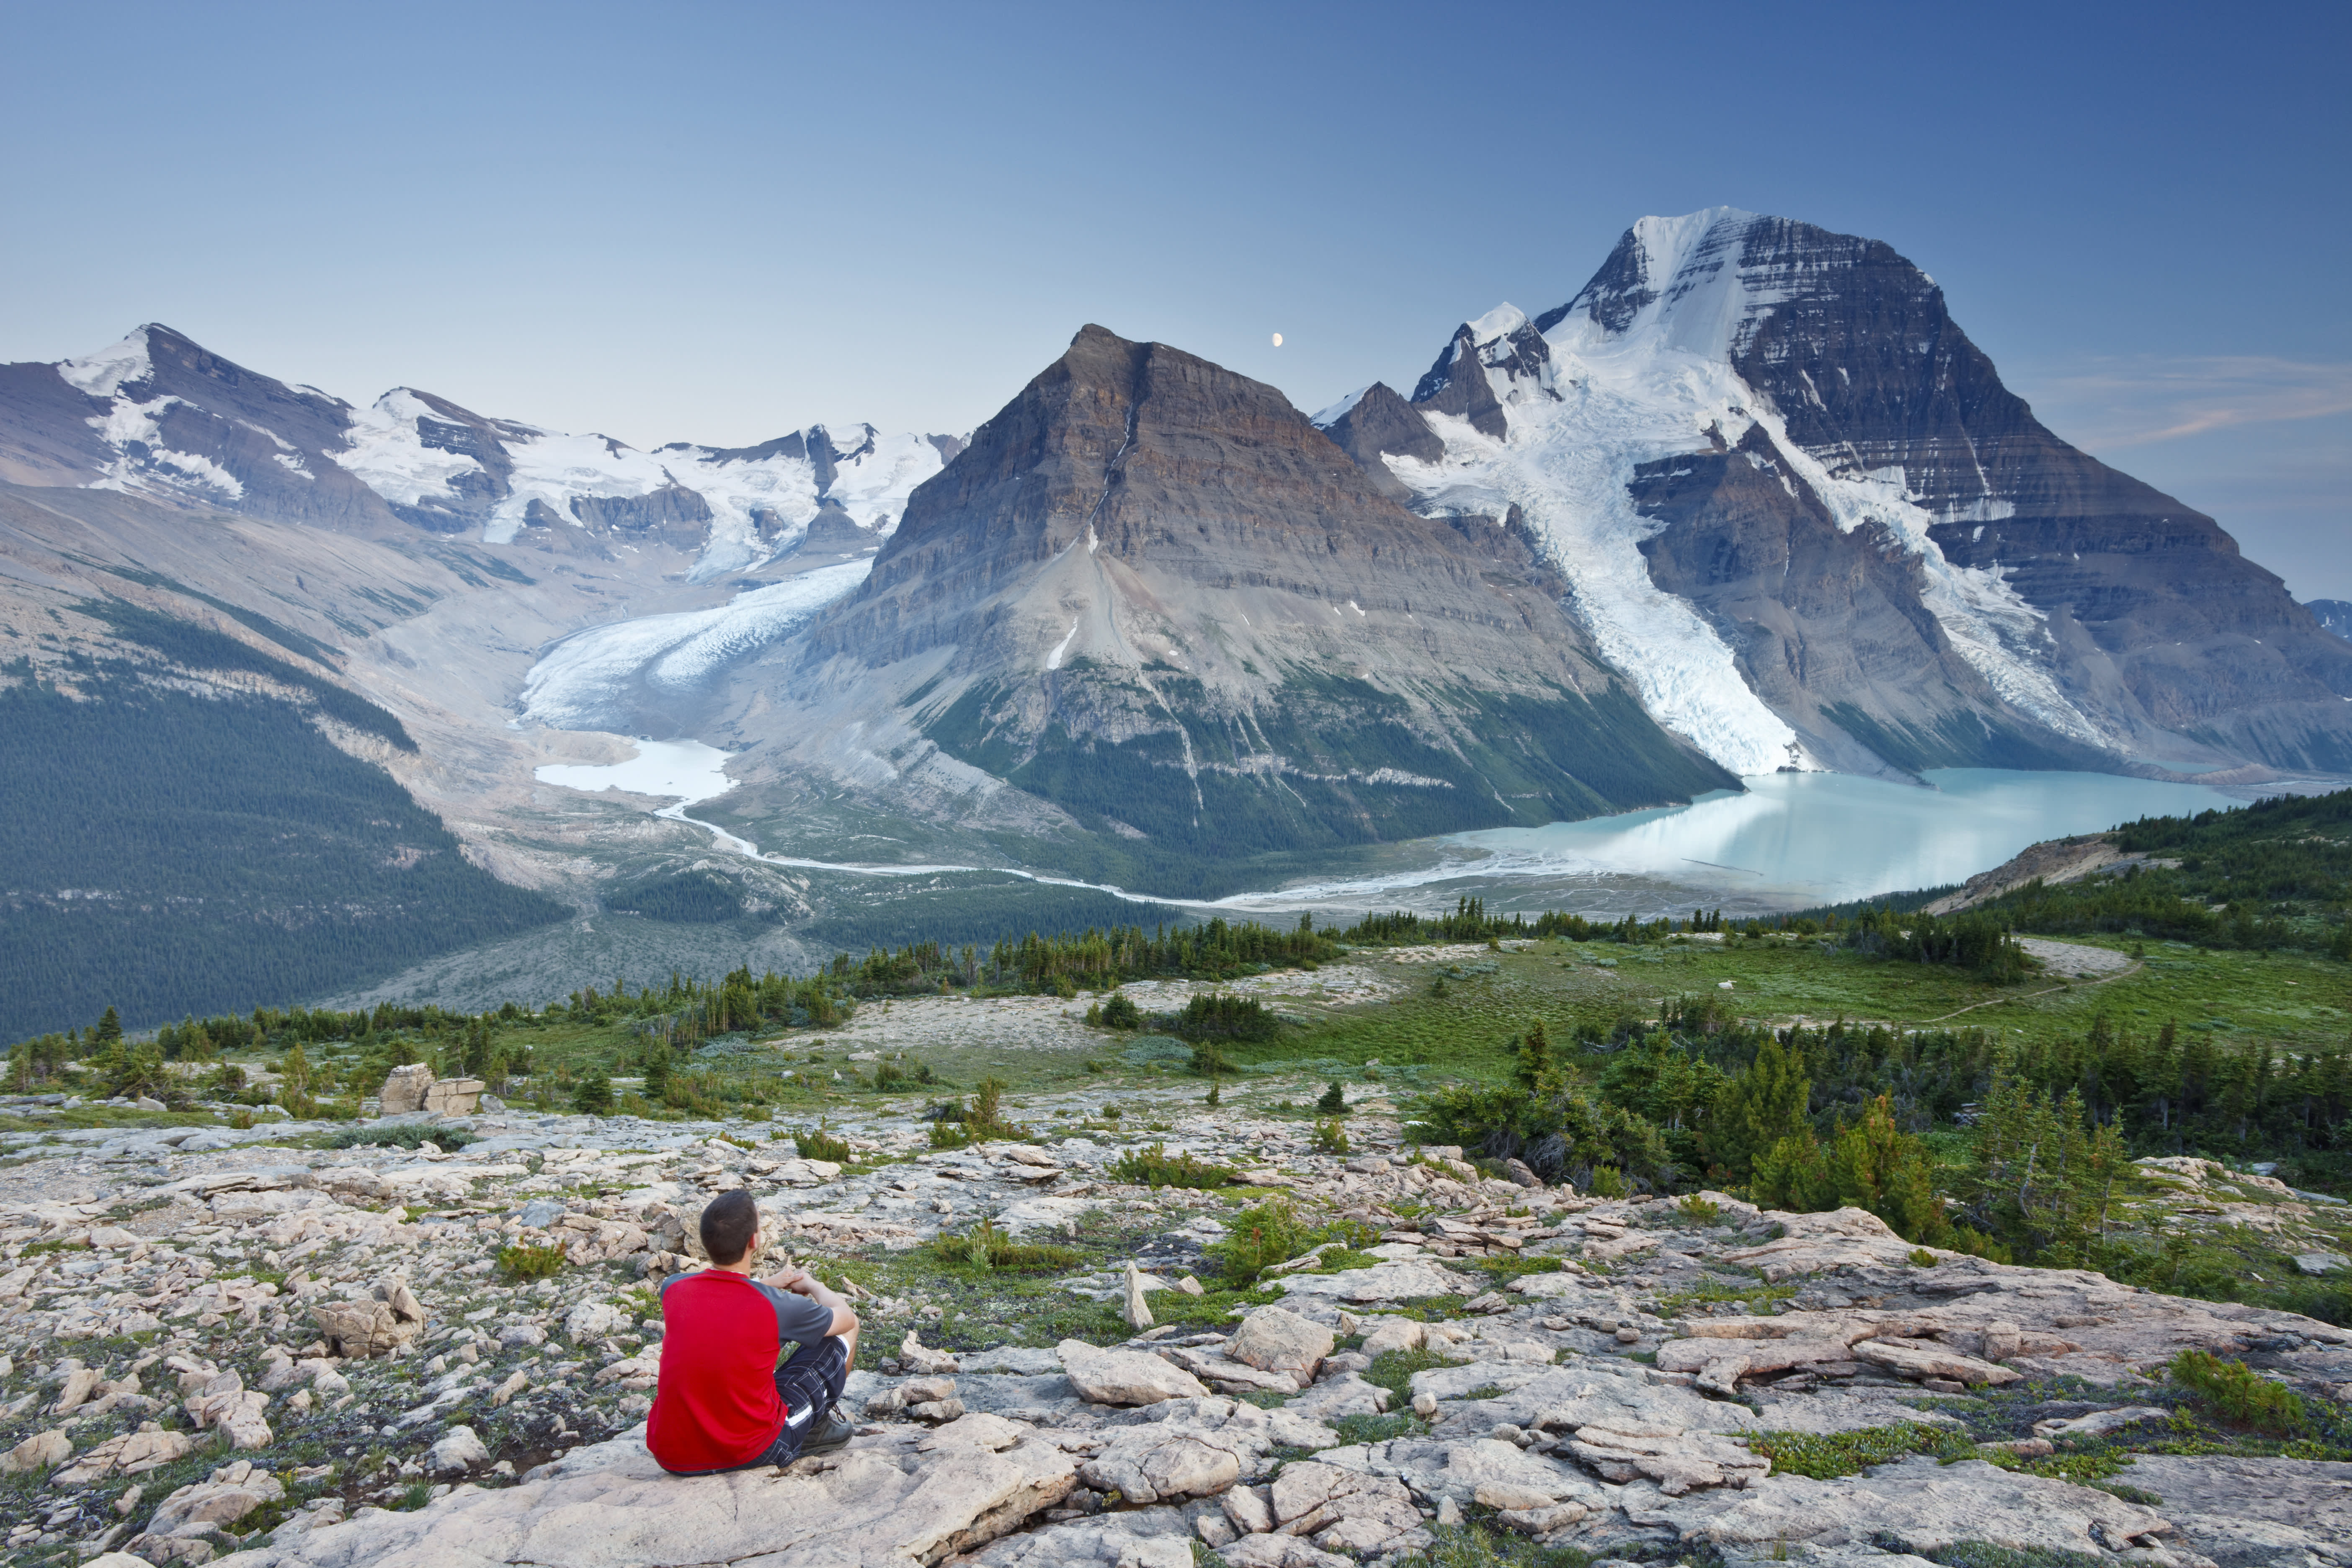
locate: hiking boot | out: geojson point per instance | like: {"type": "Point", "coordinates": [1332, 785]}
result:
{"type": "Point", "coordinates": [830, 1433]}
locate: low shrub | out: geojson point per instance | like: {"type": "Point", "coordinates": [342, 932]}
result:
{"type": "Point", "coordinates": [1258, 1238]}
{"type": "Point", "coordinates": [2235, 1394]}
{"type": "Point", "coordinates": [816, 1143]}
{"type": "Point", "coordinates": [985, 1246]}
{"type": "Point", "coordinates": [1154, 1166]}
{"type": "Point", "coordinates": [531, 1261]}
{"type": "Point", "coordinates": [1826, 1456]}
{"type": "Point", "coordinates": [400, 1135]}
{"type": "Point", "coordinates": [1334, 1101]}
{"type": "Point", "coordinates": [1330, 1137]}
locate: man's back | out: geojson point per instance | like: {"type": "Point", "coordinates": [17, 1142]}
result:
{"type": "Point", "coordinates": [722, 1333]}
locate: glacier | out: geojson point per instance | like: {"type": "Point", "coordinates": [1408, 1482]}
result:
{"type": "Point", "coordinates": [579, 682]}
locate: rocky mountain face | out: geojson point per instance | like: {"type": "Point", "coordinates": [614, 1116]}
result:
{"type": "Point", "coordinates": [1797, 506]}
{"type": "Point", "coordinates": [2333, 615]}
{"type": "Point", "coordinates": [160, 417]}
{"type": "Point", "coordinates": [1152, 595]}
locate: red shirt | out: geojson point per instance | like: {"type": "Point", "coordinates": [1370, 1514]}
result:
{"type": "Point", "coordinates": [722, 1333]}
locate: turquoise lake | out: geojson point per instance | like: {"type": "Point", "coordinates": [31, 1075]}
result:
{"type": "Point", "coordinates": [1790, 841]}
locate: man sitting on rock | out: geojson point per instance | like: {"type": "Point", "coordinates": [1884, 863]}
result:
{"type": "Point", "coordinates": [725, 1403]}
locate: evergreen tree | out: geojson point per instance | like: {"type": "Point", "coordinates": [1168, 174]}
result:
{"type": "Point", "coordinates": [594, 1095]}
{"type": "Point", "coordinates": [1757, 1110]}
{"type": "Point", "coordinates": [109, 1029]}
{"type": "Point", "coordinates": [1535, 1058]}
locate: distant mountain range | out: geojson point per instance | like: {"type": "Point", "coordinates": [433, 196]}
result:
{"type": "Point", "coordinates": [1748, 501]}
{"type": "Point", "coordinates": [159, 416]}
{"type": "Point", "coordinates": [2333, 614]}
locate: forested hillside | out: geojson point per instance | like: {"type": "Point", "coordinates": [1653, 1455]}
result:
{"type": "Point", "coordinates": [164, 852]}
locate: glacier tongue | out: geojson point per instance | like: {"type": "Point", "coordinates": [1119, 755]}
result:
{"type": "Point", "coordinates": [584, 681]}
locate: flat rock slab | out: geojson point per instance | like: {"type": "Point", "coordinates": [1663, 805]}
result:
{"type": "Point", "coordinates": [610, 1506]}
{"type": "Point", "coordinates": [1406, 1281]}
{"type": "Point", "coordinates": [2244, 1512]}
{"type": "Point", "coordinates": [1923, 1506]}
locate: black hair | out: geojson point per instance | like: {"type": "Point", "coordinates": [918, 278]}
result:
{"type": "Point", "coordinates": [728, 1222]}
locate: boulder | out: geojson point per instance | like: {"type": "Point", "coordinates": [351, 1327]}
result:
{"type": "Point", "coordinates": [203, 1506]}
{"type": "Point", "coordinates": [1389, 1281]}
{"type": "Point", "coordinates": [915, 1356]}
{"type": "Point", "coordinates": [405, 1087]}
{"type": "Point", "coordinates": [1135, 1309]}
{"type": "Point", "coordinates": [593, 1320]}
{"type": "Point", "coordinates": [1274, 1340]}
{"type": "Point", "coordinates": [38, 1452]}
{"type": "Point", "coordinates": [79, 1384]}
{"type": "Point", "coordinates": [1280, 1552]}
{"type": "Point", "coordinates": [457, 1451]}
{"type": "Point", "coordinates": [453, 1095]}
{"type": "Point", "coordinates": [1922, 1359]}
{"type": "Point", "coordinates": [132, 1454]}
{"type": "Point", "coordinates": [1125, 1377]}
{"type": "Point", "coordinates": [1677, 1460]}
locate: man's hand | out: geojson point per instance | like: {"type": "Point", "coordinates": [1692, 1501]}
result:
{"type": "Point", "coordinates": [788, 1278]}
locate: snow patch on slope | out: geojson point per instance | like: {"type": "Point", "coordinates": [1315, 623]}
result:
{"type": "Point", "coordinates": [389, 454]}
{"type": "Point", "coordinates": [130, 428]}
{"type": "Point", "coordinates": [579, 682]}
{"type": "Point", "coordinates": [105, 372]}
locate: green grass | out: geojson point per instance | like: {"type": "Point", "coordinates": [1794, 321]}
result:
{"type": "Point", "coordinates": [1758, 1295]}
{"type": "Point", "coordinates": [1393, 1370]}
{"type": "Point", "coordinates": [1474, 1545]}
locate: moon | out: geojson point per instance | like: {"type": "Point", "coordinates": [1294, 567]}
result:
{"type": "Point", "coordinates": [1277, 339]}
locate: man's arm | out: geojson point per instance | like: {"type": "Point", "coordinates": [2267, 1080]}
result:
{"type": "Point", "coordinates": [801, 1282]}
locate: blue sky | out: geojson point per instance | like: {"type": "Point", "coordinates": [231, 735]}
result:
{"type": "Point", "coordinates": [717, 222]}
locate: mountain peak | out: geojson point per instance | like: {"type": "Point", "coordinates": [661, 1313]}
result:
{"type": "Point", "coordinates": [103, 373]}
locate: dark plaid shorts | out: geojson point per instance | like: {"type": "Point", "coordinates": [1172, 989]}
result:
{"type": "Point", "coordinates": [808, 1381]}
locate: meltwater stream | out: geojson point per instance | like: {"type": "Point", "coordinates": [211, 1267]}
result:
{"type": "Point", "coordinates": [1790, 841]}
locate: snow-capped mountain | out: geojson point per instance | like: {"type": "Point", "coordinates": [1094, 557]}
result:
{"type": "Point", "coordinates": [1796, 507]}
{"type": "Point", "coordinates": [160, 417]}
{"type": "Point", "coordinates": [2333, 615]}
